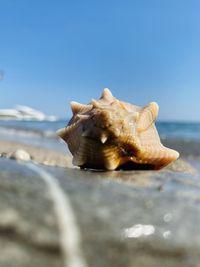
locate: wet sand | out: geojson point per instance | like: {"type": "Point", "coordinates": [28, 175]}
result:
{"type": "Point", "coordinates": [54, 158]}
{"type": "Point", "coordinates": [37, 154]}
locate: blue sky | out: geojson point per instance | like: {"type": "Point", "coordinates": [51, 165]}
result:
{"type": "Point", "coordinates": [55, 51]}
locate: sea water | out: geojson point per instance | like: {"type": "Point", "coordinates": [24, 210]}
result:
{"type": "Point", "coordinates": [37, 133]}
{"type": "Point", "coordinates": [189, 131]}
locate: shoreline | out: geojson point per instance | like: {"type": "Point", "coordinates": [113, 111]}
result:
{"type": "Point", "coordinates": [37, 154]}
{"type": "Point", "coordinates": [186, 163]}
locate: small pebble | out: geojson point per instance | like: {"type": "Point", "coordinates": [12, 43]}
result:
{"type": "Point", "coordinates": [20, 154]}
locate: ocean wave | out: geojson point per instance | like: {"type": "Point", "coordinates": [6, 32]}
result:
{"type": "Point", "coordinates": [45, 139]}
{"type": "Point", "coordinates": [26, 132]}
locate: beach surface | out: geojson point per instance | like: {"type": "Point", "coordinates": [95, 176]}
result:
{"type": "Point", "coordinates": [54, 214]}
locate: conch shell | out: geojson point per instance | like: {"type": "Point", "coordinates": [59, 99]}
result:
{"type": "Point", "coordinates": [111, 134]}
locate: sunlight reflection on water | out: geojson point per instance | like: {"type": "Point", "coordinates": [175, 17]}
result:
{"type": "Point", "coordinates": [139, 230]}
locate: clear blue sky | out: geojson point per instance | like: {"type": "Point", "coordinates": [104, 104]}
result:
{"type": "Point", "coordinates": [55, 51]}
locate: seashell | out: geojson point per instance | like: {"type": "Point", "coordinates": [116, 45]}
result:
{"type": "Point", "coordinates": [112, 134]}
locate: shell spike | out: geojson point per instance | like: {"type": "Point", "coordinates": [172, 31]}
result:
{"type": "Point", "coordinates": [107, 94]}
{"type": "Point", "coordinates": [103, 138]}
{"type": "Point", "coordinates": [147, 116]}
{"type": "Point", "coordinates": [76, 107]}
{"type": "Point", "coordinates": [154, 109]}
{"type": "Point", "coordinates": [83, 116]}
{"type": "Point", "coordinates": [95, 104]}
{"type": "Point", "coordinates": [63, 133]}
